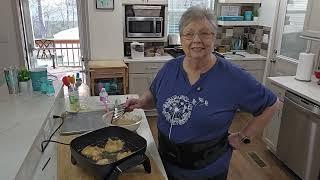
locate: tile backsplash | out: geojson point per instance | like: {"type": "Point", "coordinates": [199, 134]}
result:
{"type": "Point", "coordinates": [259, 35]}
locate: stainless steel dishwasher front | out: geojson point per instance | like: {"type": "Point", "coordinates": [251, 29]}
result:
{"type": "Point", "coordinates": [299, 137]}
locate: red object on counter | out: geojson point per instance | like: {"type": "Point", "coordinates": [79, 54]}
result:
{"type": "Point", "coordinates": [317, 74]}
{"type": "Point", "coordinates": [65, 81]}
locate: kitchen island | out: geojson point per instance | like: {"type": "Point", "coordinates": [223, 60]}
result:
{"type": "Point", "coordinates": [90, 104]}
{"type": "Point", "coordinates": [24, 123]}
{"type": "Point", "coordinates": [26, 120]}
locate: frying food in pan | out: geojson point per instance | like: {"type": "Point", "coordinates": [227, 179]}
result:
{"type": "Point", "coordinates": [92, 152]}
{"type": "Point", "coordinates": [113, 145]}
{"type": "Point", "coordinates": [103, 161]}
{"type": "Point", "coordinates": [122, 155]}
{"type": "Point", "coordinates": [113, 151]}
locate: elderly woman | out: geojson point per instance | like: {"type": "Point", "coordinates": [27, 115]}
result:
{"type": "Point", "coordinates": [197, 96]}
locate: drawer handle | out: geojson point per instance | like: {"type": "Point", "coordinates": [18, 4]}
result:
{"type": "Point", "coordinates": [154, 67]}
{"type": "Point", "coordinates": [108, 74]}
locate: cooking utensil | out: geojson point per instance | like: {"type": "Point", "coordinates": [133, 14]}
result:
{"type": "Point", "coordinates": [133, 142]}
{"type": "Point", "coordinates": [133, 116]}
{"type": "Point", "coordinates": [118, 112]}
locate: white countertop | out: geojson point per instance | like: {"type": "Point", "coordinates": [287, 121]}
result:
{"type": "Point", "coordinates": [247, 57]}
{"type": "Point", "coordinates": [89, 104]}
{"type": "Point", "coordinates": [21, 118]}
{"type": "Point", "coordinates": [308, 90]}
{"type": "Point", "coordinates": [156, 59]}
{"type": "Point", "coordinates": [160, 59]}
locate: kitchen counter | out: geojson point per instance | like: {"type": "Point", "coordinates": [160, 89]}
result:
{"type": "Point", "coordinates": [308, 90]}
{"type": "Point", "coordinates": [156, 59]}
{"type": "Point", "coordinates": [21, 118]}
{"type": "Point", "coordinates": [89, 104]}
{"type": "Point", "coordinates": [244, 56]}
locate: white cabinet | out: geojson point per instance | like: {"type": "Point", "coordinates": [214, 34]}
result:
{"type": "Point", "coordinates": [158, 2]}
{"type": "Point", "coordinates": [139, 83]}
{"type": "Point", "coordinates": [311, 23]}
{"type": "Point", "coordinates": [258, 74]}
{"type": "Point", "coordinates": [271, 132]}
{"type": "Point", "coordinates": [240, 1]}
{"type": "Point", "coordinates": [141, 75]}
{"type": "Point", "coordinates": [254, 67]}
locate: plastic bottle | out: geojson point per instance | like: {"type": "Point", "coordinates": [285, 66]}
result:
{"type": "Point", "coordinates": [103, 95]}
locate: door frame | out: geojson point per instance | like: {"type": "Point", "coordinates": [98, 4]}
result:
{"type": "Point", "coordinates": [276, 34]}
{"type": "Point", "coordinates": [24, 36]}
{"type": "Point", "coordinates": [20, 37]}
{"type": "Point", "coordinates": [84, 35]}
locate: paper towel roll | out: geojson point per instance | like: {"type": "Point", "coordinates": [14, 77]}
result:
{"type": "Point", "coordinates": [305, 67]}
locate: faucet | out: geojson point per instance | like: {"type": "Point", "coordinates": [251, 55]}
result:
{"type": "Point", "coordinates": [236, 44]}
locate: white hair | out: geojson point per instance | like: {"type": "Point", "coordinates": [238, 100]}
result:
{"type": "Point", "coordinates": [197, 13]}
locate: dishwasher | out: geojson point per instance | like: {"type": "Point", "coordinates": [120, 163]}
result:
{"type": "Point", "coordinates": [299, 137]}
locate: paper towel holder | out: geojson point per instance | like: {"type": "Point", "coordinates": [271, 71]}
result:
{"type": "Point", "coordinates": [308, 50]}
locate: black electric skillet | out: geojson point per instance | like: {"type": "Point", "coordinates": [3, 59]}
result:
{"type": "Point", "coordinates": [133, 142]}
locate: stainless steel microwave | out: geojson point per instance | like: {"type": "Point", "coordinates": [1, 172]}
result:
{"type": "Point", "coordinates": [144, 27]}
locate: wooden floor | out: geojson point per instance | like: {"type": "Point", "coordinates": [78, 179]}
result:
{"type": "Point", "coordinates": [242, 167]}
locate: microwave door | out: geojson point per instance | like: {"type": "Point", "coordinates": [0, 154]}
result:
{"type": "Point", "coordinates": [140, 29]}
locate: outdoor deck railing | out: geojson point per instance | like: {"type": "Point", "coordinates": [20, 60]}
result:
{"type": "Point", "coordinates": [65, 53]}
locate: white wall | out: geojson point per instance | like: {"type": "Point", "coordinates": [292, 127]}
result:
{"type": "Point", "coordinates": [106, 33]}
{"type": "Point", "coordinates": [9, 47]}
{"type": "Point", "coordinates": [8, 36]}
{"type": "Point", "coordinates": [268, 12]}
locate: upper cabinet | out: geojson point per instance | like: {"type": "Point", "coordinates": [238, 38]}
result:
{"type": "Point", "coordinates": [239, 1]}
{"type": "Point", "coordinates": [159, 2]}
{"type": "Point", "coordinates": [311, 23]}
{"type": "Point", "coordinates": [237, 12]}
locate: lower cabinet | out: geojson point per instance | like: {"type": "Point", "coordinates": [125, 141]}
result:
{"type": "Point", "coordinates": [139, 83]}
{"type": "Point", "coordinates": [258, 74]}
{"type": "Point", "coordinates": [141, 75]}
{"type": "Point", "coordinates": [254, 67]}
{"type": "Point", "coordinates": [271, 132]}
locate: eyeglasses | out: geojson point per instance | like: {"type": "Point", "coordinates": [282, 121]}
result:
{"type": "Point", "coordinates": [202, 36]}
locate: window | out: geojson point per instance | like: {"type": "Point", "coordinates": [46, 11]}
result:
{"type": "Point", "coordinates": [176, 9]}
{"type": "Point", "coordinates": [292, 44]}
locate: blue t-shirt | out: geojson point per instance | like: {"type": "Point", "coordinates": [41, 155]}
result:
{"type": "Point", "coordinates": [204, 111]}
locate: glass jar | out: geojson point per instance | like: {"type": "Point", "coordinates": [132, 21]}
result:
{"type": "Point", "coordinates": [74, 100]}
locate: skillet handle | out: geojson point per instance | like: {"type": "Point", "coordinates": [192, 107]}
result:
{"type": "Point", "coordinates": [132, 162]}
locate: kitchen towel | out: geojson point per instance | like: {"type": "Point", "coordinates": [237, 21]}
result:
{"type": "Point", "coordinates": [305, 67]}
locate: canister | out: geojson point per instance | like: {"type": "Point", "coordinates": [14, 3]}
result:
{"type": "Point", "coordinates": [38, 74]}
{"type": "Point", "coordinates": [11, 76]}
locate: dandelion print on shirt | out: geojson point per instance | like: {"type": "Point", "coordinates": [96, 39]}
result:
{"type": "Point", "coordinates": [178, 109]}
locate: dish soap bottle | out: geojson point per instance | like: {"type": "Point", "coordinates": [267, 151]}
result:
{"type": "Point", "coordinates": [103, 95]}
{"type": "Point", "coordinates": [104, 98]}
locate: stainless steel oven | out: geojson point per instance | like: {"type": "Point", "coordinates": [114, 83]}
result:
{"type": "Point", "coordinates": [142, 27]}
{"type": "Point", "coordinates": [299, 137]}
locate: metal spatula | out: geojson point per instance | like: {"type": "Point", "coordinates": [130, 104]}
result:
{"type": "Point", "coordinates": [118, 112]}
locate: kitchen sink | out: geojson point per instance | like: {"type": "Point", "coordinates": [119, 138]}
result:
{"type": "Point", "coordinates": [233, 55]}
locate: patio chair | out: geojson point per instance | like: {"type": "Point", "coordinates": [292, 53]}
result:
{"type": "Point", "coordinates": [45, 46]}
{"type": "Point", "coordinates": [46, 49]}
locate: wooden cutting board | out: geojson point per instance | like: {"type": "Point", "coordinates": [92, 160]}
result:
{"type": "Point", "coordinates": [68, 171]}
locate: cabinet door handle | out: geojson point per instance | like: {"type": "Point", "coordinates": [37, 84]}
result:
{"type": "Point", "coordinates": [154, 67]}
{"type": "Point", "coordinates": [109, 74]}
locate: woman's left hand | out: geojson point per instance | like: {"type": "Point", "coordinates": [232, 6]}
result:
{"type": "Point", "coordinates": [234, 140]}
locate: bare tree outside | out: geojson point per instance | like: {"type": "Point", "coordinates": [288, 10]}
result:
{"type": "Point", "coordinates": [52, 16]}
{"type": "Point", "coordinates": [43, 31]}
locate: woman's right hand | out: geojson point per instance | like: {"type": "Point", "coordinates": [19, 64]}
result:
{"type": "Point", "coordinates": [132, 104]}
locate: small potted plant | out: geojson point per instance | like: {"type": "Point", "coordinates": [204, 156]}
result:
{"type": "Point", "coordinates": [255, 15]}
{"type": "Point", "coordinates": [24, 78]}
